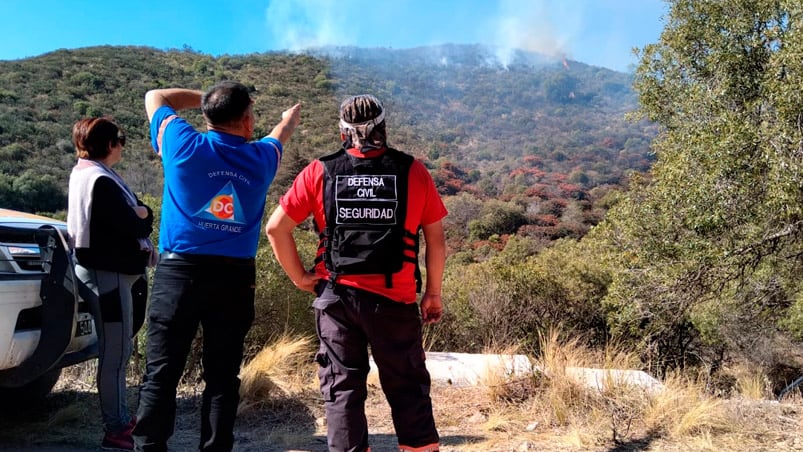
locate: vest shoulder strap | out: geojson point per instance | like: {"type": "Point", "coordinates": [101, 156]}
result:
{"type": "Point", "coordinates": [332, 155]}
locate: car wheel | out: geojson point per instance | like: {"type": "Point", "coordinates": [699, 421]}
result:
{"type": "Point", "coordinates": [31, 393]}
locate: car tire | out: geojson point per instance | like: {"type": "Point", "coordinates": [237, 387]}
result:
{"type": "Point", "coordinates": [31, 393]}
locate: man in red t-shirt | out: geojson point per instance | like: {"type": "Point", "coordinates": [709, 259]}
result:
{"type": "Point", "coordinates": [369, 203]}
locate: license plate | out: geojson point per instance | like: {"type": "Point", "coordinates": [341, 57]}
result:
{"type": "Point", "coordinates": [83, 327]}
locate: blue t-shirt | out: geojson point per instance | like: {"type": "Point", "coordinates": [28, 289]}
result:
{"type": "Point", "coordinates": [215, 185]}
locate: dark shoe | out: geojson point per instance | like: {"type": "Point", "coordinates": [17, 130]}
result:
{"type": "Point", "coordinates": [118, 441]}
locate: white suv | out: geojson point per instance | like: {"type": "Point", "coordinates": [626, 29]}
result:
{"type": "Point", "coordinates": [44, 324]}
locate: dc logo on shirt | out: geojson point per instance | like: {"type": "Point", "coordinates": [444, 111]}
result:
{"type": "Point", "coordinates": [224, 206]}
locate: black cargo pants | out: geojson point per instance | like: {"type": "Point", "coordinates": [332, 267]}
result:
{"type": "Point", "coordinates": [217, 293]}
{"type": "Point", "coordinates": [348, 320]}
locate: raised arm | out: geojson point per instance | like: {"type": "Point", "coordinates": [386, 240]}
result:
{"type": "Point", "coordinates": [290, 120]}
{"type": "Point", "coordinates": [177, 98]}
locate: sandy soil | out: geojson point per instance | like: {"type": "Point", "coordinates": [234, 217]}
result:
{"type": "Point", "coordinates": [69, 421]}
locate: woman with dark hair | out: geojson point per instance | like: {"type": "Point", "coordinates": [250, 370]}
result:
{"type": "Point", "coordinates": [109, 229]}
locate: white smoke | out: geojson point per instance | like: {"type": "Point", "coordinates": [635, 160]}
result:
{"type": "Point", "coordinates": [541, 26]}
{"type": "Point", "coordinates": [300, 24]}
{"type": "Point", "coordinates": [538, 26]}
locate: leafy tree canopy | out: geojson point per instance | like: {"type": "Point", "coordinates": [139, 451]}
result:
{"type": "Point", "coordinates": [710, 247]}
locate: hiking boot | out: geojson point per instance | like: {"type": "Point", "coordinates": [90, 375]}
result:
{"type": "Point", "coordinates": [117, 441]}
{"type": "Point", "coordinates": [121, 440]}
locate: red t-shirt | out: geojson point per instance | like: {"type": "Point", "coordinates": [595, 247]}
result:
{"type": "Point", "coordinates": [424, 206]}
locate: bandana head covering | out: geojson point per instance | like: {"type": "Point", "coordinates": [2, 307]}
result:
{"type": "Point", "coordinates": [362, 122]}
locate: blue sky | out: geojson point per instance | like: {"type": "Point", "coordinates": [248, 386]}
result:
{"type": "Point", "coordinates": [597, 32]}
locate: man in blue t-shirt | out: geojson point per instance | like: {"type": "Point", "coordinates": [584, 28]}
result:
{"type": "Point", "coordinates": [212, 206]}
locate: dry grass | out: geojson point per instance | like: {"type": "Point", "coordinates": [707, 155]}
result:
{"type": "Point", "coordinates": [280, 369]}
{"type": "Point", "coordinates": [551, 410]}
{"type": "Point", "coordinates": [683, 410]}
{"type": "Point", "coordinates": [281, 409]}
{"type": "Point", "coordinates": [751, 383]}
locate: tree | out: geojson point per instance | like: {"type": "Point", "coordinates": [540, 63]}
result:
{"type": "Point", "coordinates": [462, 208]}
{"type": "Point", "coordinates": [37, 193]}
{"type": "Point", "coordinates": [497, 217]}
{"type": "Point", "coordinates": [711, 247]}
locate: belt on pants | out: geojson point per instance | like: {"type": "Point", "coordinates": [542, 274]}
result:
{"type": "Point", "coordinates": [207, 258]}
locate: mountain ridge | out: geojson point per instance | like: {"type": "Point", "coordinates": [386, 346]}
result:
{"type": "Point", "coordinates": [525, 133]}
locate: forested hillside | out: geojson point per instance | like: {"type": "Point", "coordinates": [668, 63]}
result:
{"type": "Point", "coordinates": [546, 139]}
{"type": "Point", "coordinates": [699, 266]}
{"type": "Point", "coordinates": [42, 97]}
{"type": "Point", "coordinates": [560, 213]}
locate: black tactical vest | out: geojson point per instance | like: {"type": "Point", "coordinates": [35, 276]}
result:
{"type": "Point", "coordinates": [365, 204]}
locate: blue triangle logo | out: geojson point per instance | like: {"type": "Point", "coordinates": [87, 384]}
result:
{"type": "Point", "coordinates": [224, 206]}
